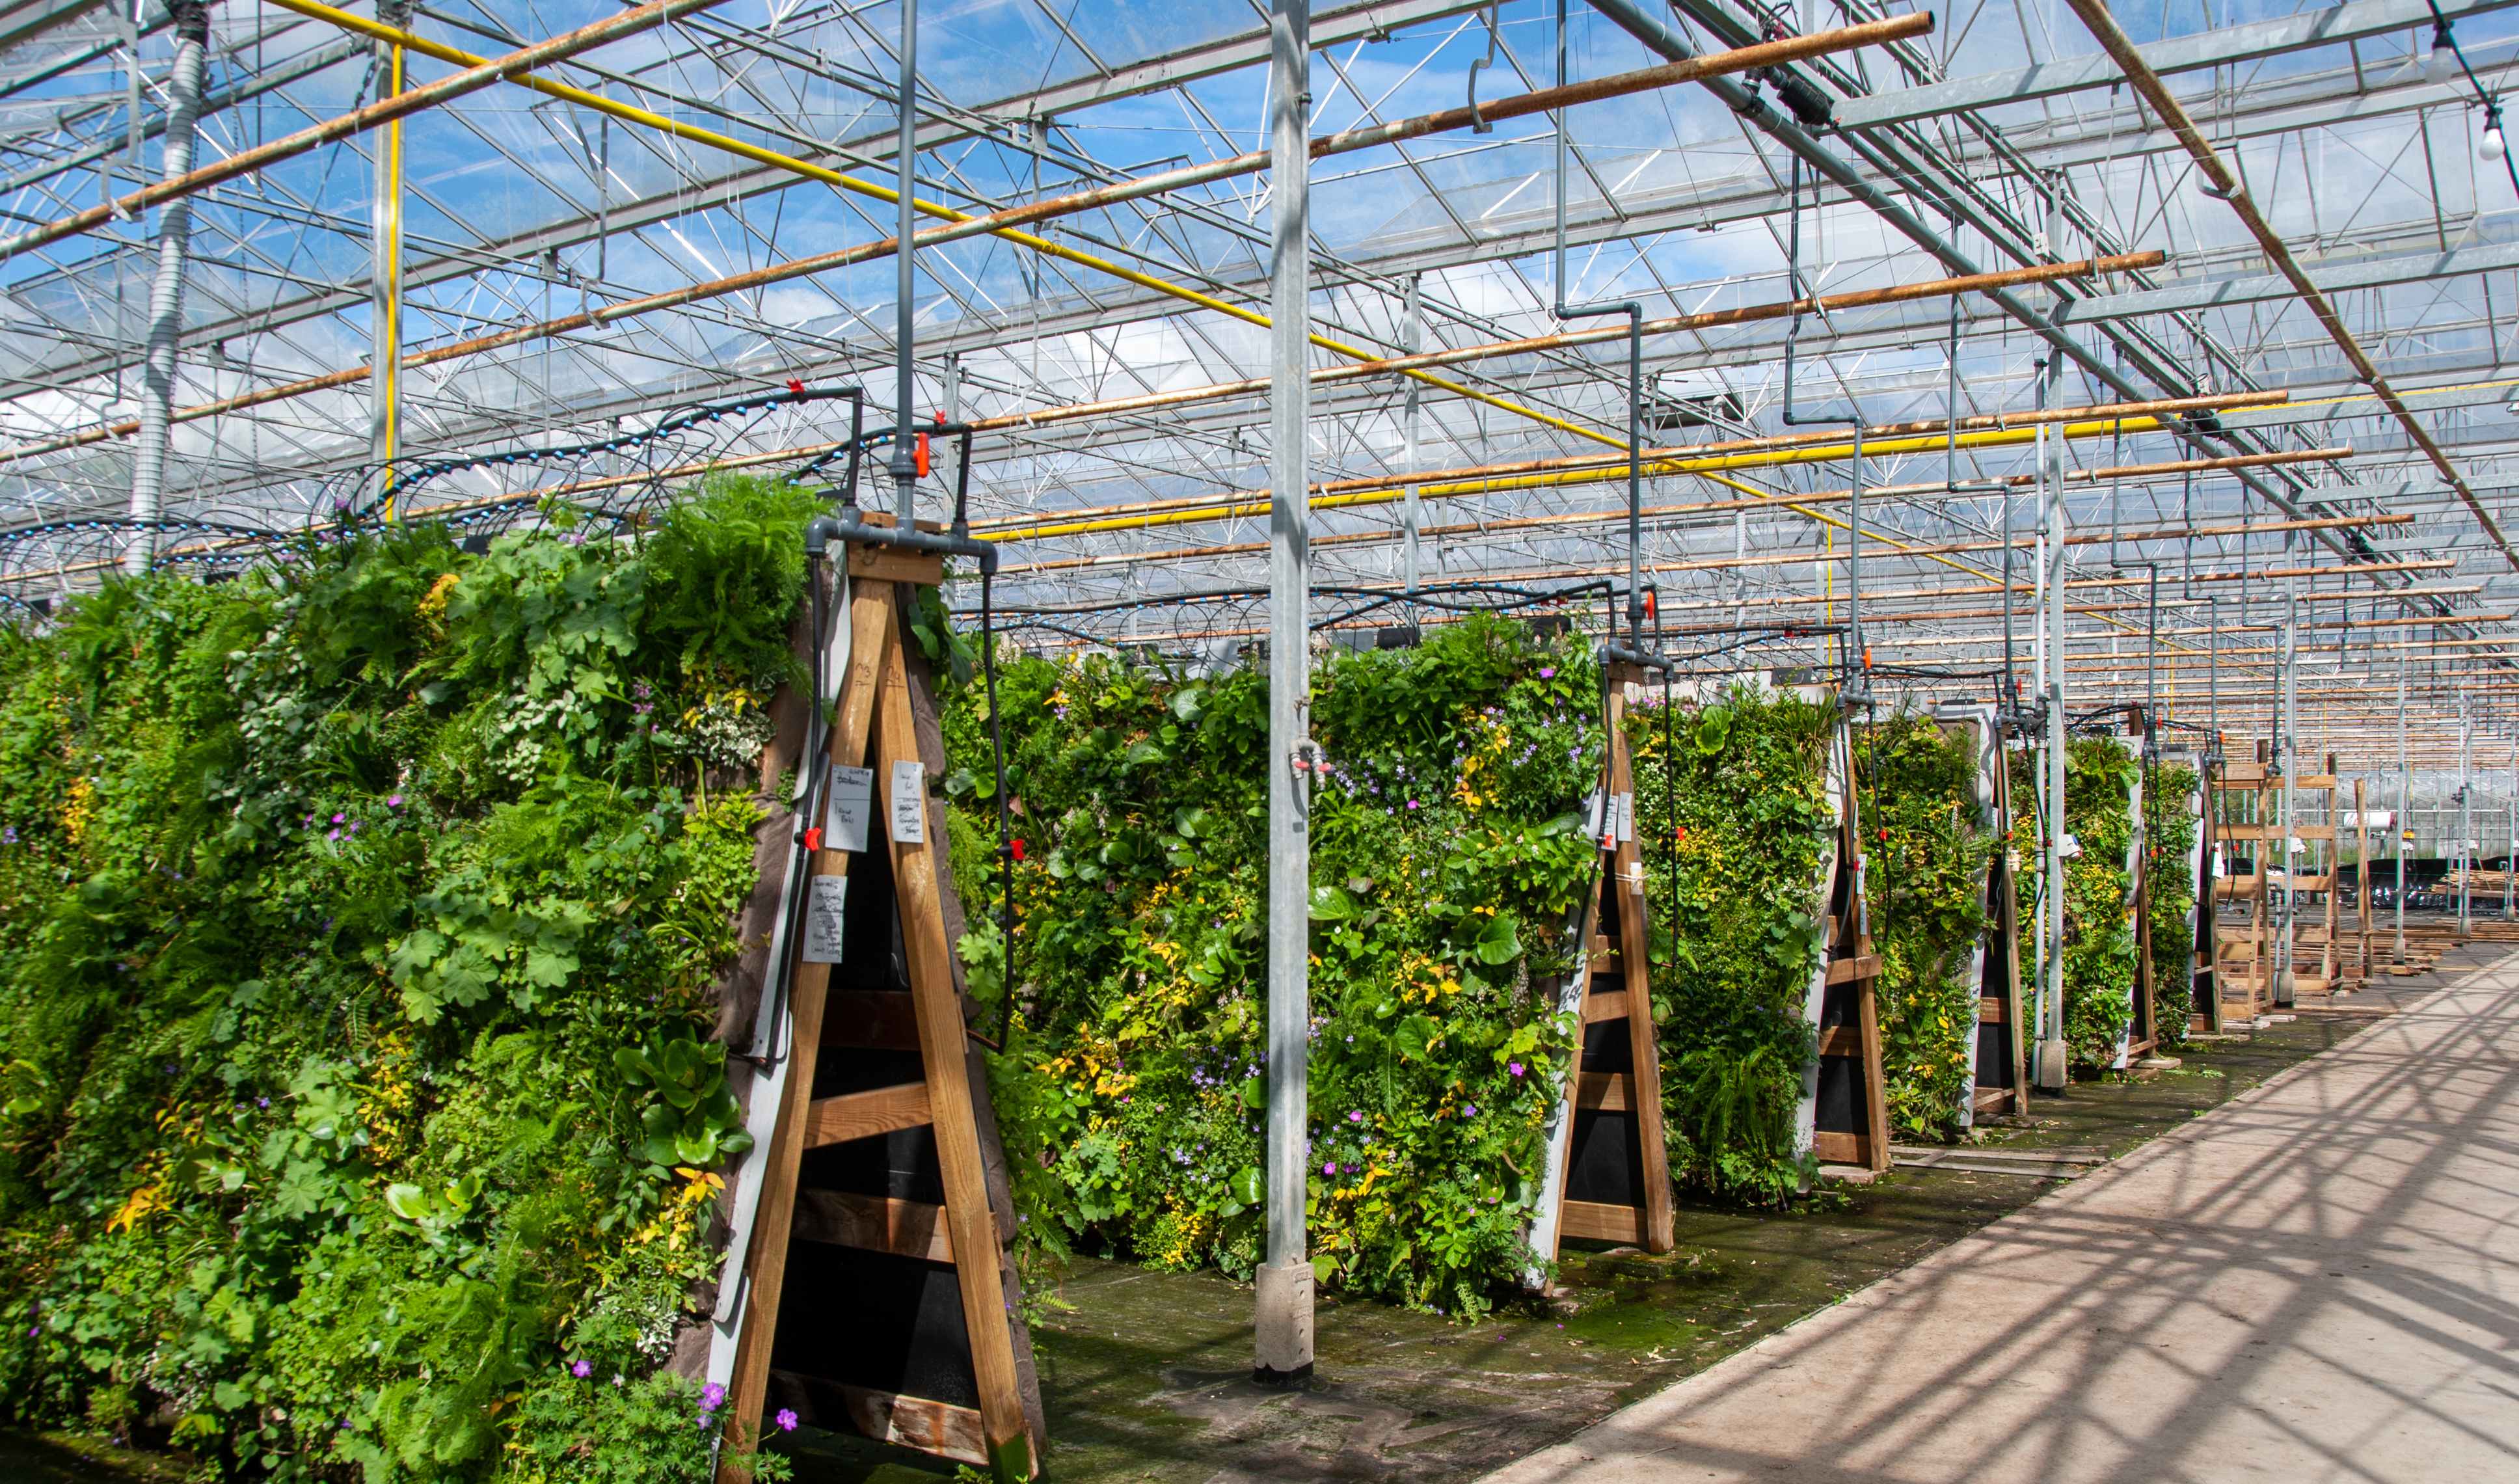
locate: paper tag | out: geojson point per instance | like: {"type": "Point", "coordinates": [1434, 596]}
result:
{"type": "Point", "coordinates": [848, 809]}
{"type": "Point", "coordinates": [1626, 826]}
{"type": "Point", "coordinates": [909, 804]}
{"type": "Point", "coordinates": [826, 918]}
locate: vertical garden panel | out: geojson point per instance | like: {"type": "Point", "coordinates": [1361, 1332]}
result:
{"type": "Point", "coordinates": [1449, 857]}
{"type": "Point", "coordinates": [1739, 820]}
{"type": "Point", "coordinates": [1929, 795]}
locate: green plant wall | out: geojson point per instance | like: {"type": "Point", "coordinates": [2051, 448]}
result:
{"type": "Point", "coordinates": [359, 923]}
{"type": "Point", "coordinates": [2170, 828]}
{"type": "Point", "coordinates": [1928, 853]}
{"type": "Point", "coordinates": [2098, 900]}
{"type": "Point", "coordinates": [1446, 857]}
{"type": "Point", "coordinates": [1732, 817]}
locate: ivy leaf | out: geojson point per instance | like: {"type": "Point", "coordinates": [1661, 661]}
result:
{"type": "Point", "coordinates": [1250, 1184]}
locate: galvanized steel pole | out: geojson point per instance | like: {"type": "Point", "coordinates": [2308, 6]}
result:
{"type": "Point", "coordinates": [2466, 818]}
{"type": "Point", "coordinates": [2288, 758]}
{"type": "Point", "coordinates": [904, 464]}
{"type": "Point", "coordinates": [2052, 1053]}
{"type": "Point", "coordinates": [2405, 801]}
{"type": "Point", "coordinates": [1283, 1349]}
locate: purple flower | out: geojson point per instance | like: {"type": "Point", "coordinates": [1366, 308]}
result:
{"type": "Point", "coordinates": [9, 836]}
{"type": "Point", "coordinates": [1548, 671]}
{"type": "Point", "coordinates": [393, 801]}
{"type": "Point", "coordinates": [1330, 1168]}
{"type": "Point", "coordinates": [581, 1370]}
{"type": "Point", "coordinates": [335, 834]}
{"type": "Point", "coordinates": [1473, 1110]}
{"type": "Point", "coordinates": [711, 1397]}
{"type": "Point", "coordinates": [1513, 1068]}
{"type": "Point", "coordinates": [787, 1420]}
{"type": "Point", "coordinates": [1412, 804]}
{"type": "Point", "coordinates": [262, 1101]}
{"type": "Point", "coordinates": [340, 818]}
{"type": "Point", "coordinates": [1354, 1117]}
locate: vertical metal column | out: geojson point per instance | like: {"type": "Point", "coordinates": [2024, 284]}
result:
{"type": "Point", "coordinates": [2051, 1050]}
{"type": "Point", "coordinates": [904, 464]}
{"type": "Point", "coordinates": [2405, 803]}
{"type": "Point", "coordinates": [167, 292]}
{"type": "Point", "coordinates": [2465, 818]}
{"type": "Point", "coordinates": [1412, 339]}
{"type": "Point", "coordinates": [1284, 1329]}
{"type": "Point", "coordinates": [2511, 862]}
{"type": "Point", "coordinates": [2288, 758]}
{"type": "Point", "coordinates": [385, 281]}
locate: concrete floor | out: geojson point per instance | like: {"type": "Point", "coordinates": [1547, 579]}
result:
{"type": "Point", "coordinates": [2317, 1281]}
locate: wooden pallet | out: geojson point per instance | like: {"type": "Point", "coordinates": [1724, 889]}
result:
{"type": "Point", "coordinates": [1609, 1168]}
{"type": "Point", "coordinates": [1844, 1109]}
{"type": "Point", "coordinates": [877, 1293]}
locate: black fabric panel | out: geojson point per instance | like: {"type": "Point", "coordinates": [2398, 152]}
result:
{"type": "Point", "coordinates": [1608, 1046]}
{"type": "Point", "coordinates": [900, 1164]}
{"type": "Point", "coordinates": [859, 1069]}
{"type": "Point", "coordinates": [870, 1319]}
{"type": "Point", "coordinates": [871, 954]}
{"type": "Point", "coordinates": [1993, 1056]}
{"type": "Point", "coordinates": [1604, 1159]}
{"type": "Point", "coordinates": [1841, 1109]}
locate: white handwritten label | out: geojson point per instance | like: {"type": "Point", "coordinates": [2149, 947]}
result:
{"type": "Point", "coordinates": [909, 804]}
{"type": "Point", "coordinates": [850, 809]}
{"type": "Point", "coordinates": [826, 918]}
{"type": "Point", "coordinates": [1626, 817]}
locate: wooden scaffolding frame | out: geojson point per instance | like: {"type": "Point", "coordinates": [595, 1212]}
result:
{"type": "Point", "coordinates": [2243, 964]}
{"type": "Point", "coordinates": [2142, 1023]}
{"type": "Point", "coordinates": [1999, 1076]}
{"type": "Point", "coordinates": [2204, 1002]}
{"type": "Point", "coordinates": [886, 707]}
{"type": "Point", "coordinates": [1611, 1123]}
{"type": "Point", "coordinates": [1845, 1114]}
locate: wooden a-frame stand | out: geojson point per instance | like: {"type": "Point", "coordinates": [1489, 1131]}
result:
{"type": "Point", "coordinates": [2142, 1023]}
{"type": "Point", "coordinates": [880, 1293]}
{"type": "Point", "coordinates": [1844, 1108]}
{"type": "Point", "coordinates": [1610, 1169]}
{"type": "Point", "coordinates": [2204, 1002]}
{"type": "Point", "coordinates": [1999, 1079]}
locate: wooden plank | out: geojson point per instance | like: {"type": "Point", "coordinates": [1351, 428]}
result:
{"type": "Point", "coordinates": [1989, 1011]}
{"type": "Point", "coordinates": [864, 1115]}
{"type": "Point", "coordinates": [1634, 970]}
{"type": "Point", "coordinates": [1845, 970]}
{"type": "Point", "coordinates": [870, 609]}
{"type": "Point", "coordinates": [916, 866]}
{"type": "Point", "coordinates": [1608, 1005]}
{"type": "Point", "coordinates": [889, 564]}
{"type": "Point", "coordinates": [872, 1020]}
{"type": "Point", "coordinates": [1598, 1222]}
{"type": "Point", "coordinates": [903, 1421]}
{"type": "Point", "coordinates": [1841, 1040]}
{"type": "Point", "coordinates": [1602, 1092]}
{"type": "Point", "coordinates": [875, 1224]}
{"type": "Point", "coordinates": [1994, 1100]}
{"type": "Point", "coordinates": [1839, 1149]}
